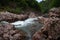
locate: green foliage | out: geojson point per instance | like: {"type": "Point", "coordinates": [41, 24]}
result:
{"type": "Point", "coordinates": [17, 6]}
{"type": "Point", "coordinates": [43, 6]}
{"type": "Point", "coordinates": [48, 4]}
{"type": "Point", "coordinates": [13, 10]}
{"type": "Point", "coordinates": [54, 3]}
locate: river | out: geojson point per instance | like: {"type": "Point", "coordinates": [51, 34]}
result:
{"type": "Point", "coordinates": [27, 26]}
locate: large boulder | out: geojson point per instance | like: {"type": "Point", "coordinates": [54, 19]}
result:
{"type": "Point", "coordinates": [54, 12]}
{"type": "Point", "coordinates": [51, 27]}
{"type": "Point", "coordinates": [10, 17]}
{"type": "Point", "coordinates": [8, 32]}
{"type": "Point", "coordinates": [50, 30]}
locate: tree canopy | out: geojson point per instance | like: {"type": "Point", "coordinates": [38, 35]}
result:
{"type": "Point", "coordinates": [48, 4]}
{"type": "Point", "coordinates": [19, 5]}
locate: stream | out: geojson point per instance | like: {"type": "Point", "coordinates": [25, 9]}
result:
{"type": "Point", "coordinates": [27, 26]}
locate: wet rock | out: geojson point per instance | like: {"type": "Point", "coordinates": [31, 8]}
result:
{"type": "Point", "coordinates": [8, 32]}
{"type": "Point", "coordinates": [51, 27]}
{"type": "Point", "coordinates": [32, 15]}
{"type": "Point", "coordinates": [10, 17]}
{"type": "Point", "coordinates": [54, 12]}
{"type": "Point", "coordinates": [50, 30]}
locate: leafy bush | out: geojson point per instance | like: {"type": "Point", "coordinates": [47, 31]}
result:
{"type": "Point", "coordinates": [48, 4]}
{"type": "Point", "coordinates": [13, 10]}
{"type": "Point", "coordinates": [17, 6]}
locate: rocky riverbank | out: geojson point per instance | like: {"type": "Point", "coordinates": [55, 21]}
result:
{"type": "Point", "coordinates": [51, 27]}
{"type": "Point", "coordinates": [7, 30]}
{"type": "Point", "coordinates": [49, 31]}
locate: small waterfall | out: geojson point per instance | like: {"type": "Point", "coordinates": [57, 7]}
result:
{"type": "Point", "coordinates": [26, 25]}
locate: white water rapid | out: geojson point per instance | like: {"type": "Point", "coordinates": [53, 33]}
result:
{"type": "Point", "coordinates": [27, 25]}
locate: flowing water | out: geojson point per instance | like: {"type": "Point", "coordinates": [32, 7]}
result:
{"type": "Point", "coordinates": [27, 26]}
